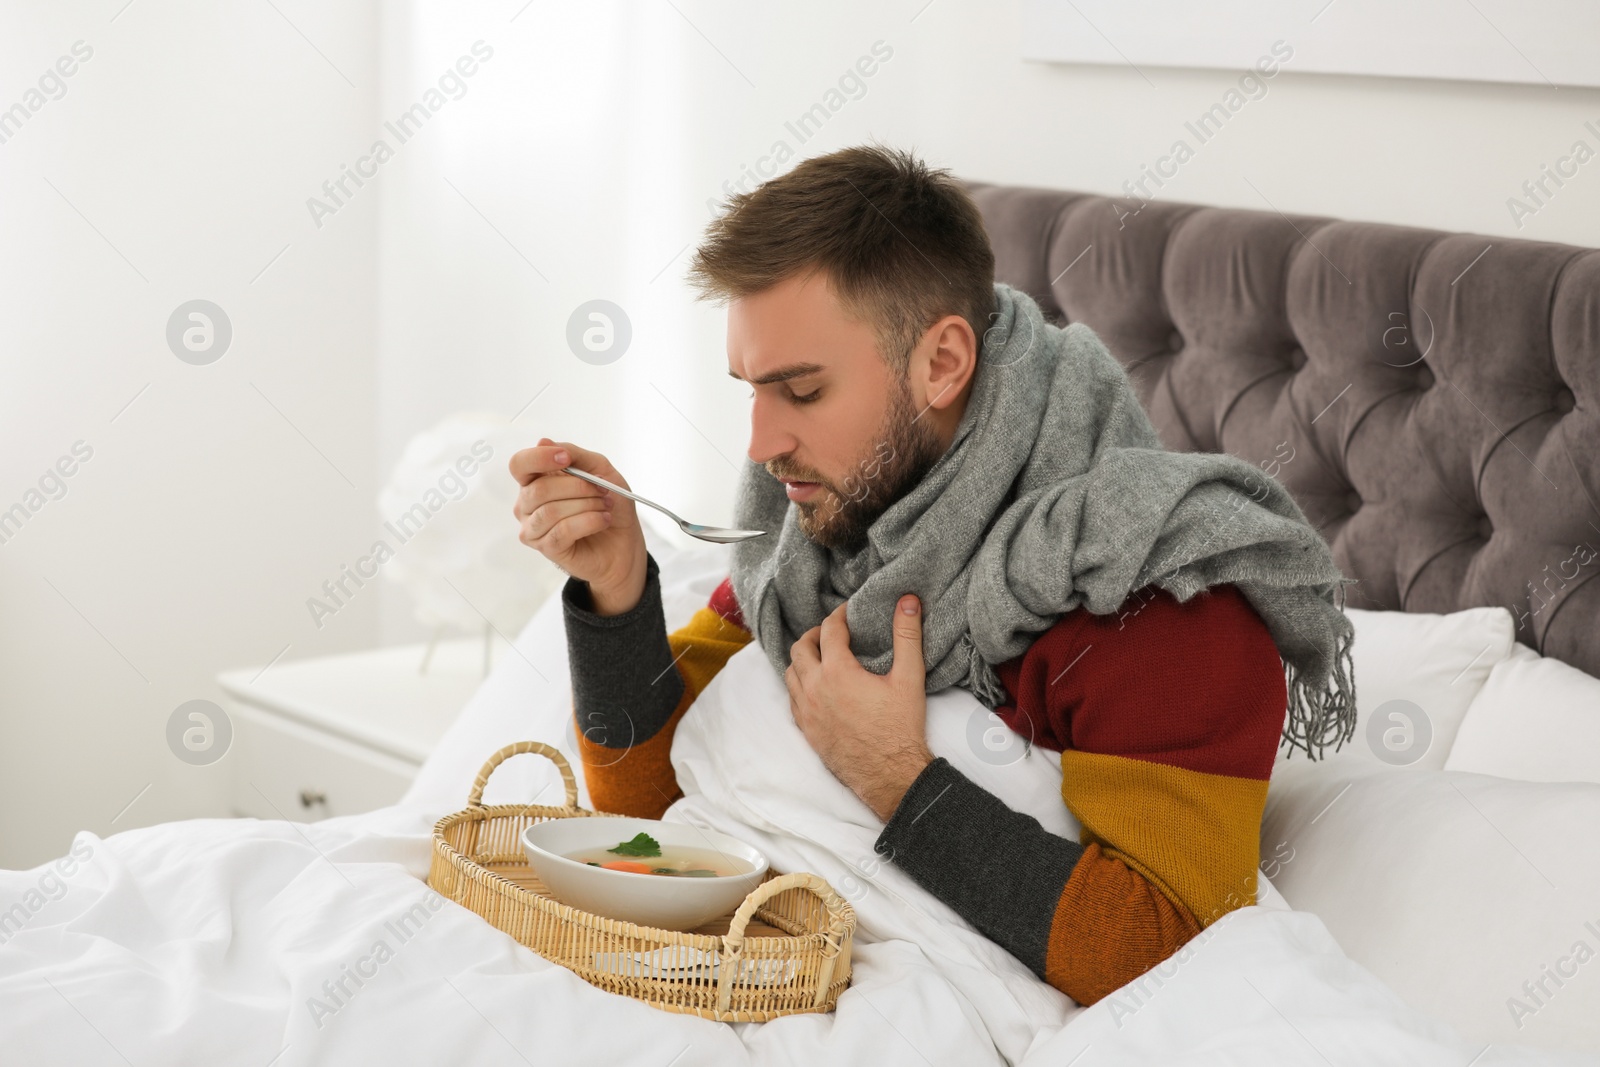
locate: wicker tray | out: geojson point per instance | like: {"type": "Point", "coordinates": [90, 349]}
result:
{"type": "Point", "coordinates": [785, 950]}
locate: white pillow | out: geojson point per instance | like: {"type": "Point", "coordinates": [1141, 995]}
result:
{"type": "Point", "coordinates": [1536, 719]}
{"type": "Point", "coordinates": [1455, 889]}
{"type": "Point", "coordinates": [1415, 676]}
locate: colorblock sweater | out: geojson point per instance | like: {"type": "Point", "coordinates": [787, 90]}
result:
{"type": "Point", "coordinates": [1167, 717]}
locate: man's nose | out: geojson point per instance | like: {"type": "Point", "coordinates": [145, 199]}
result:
{"type": "Point", "coordinates": [768, 439]}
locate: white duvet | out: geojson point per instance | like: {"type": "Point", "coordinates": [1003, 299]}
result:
{"type": "Point", "coordinates": [256, 943]}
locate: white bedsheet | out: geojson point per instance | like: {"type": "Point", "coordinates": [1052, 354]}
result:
{"type": "Point", "coordinates": [226, 941]}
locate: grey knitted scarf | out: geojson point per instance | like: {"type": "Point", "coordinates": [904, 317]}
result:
{"type": "Point", "coordinates": [1054, 494]}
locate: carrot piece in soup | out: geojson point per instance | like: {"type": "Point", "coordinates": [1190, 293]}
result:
{"type": "Point", "coordinates": [627, 865]}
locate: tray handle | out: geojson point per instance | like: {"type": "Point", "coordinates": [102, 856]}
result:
{"type": "Point", "coordinates": [733, 940]}
{"type": "Point", "coordinates": [517, 748]}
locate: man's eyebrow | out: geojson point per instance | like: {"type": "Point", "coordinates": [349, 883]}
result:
{"type": "Point", "coordinates": [782, 374]}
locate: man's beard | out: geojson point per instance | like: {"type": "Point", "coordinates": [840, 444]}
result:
{"type": "Point", "coordinates": [905, 449]}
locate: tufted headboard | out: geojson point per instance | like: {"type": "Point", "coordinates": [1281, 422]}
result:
{"type": "Point", "coordinates": [1431, 399]}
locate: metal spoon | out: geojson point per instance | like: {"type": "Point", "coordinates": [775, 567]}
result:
{"type": "Point", "coordinates": [706, 533]}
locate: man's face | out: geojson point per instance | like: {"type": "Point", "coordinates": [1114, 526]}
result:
{"type": "Point", "coordinates": [830, 418]}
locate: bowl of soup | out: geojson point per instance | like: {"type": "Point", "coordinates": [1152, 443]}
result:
{"type": "Point", "coordinates": [671, 875]}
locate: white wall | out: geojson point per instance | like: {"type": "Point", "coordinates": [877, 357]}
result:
{"type": "Point", "coordinates": [581, 156]}
{"type": "Point", "coordinates": [190, 539]}
{"type": "Point", "coordinates": [561, 176]}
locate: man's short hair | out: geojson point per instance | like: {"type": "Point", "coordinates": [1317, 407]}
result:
{"type": "Point", "coordinates": [902, 244]}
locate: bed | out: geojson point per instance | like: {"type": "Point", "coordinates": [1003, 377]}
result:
{"type": "Point", "coordinates": [1433, 402]}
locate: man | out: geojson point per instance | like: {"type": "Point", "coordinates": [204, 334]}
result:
{"type": "Point", "coordinates": [958, 493]}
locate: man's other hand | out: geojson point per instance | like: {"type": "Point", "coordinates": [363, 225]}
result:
{"type": "Point", "coordinates": [869, 729]}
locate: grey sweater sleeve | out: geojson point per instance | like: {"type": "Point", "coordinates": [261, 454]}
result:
{"type": "Point", "coordinates": [995, 867]}
{"type": "Point", "coordinates": [624, 685]}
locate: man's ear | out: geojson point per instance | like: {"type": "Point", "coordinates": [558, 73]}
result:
{"type": "Point", "coordinates": [952, 358]}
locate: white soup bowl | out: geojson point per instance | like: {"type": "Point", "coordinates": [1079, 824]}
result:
{"type": "Point", "coordinates": [648, 900]}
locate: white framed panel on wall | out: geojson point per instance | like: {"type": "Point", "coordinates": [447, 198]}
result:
{"type": "Point", "coordinates": [1541, 42]}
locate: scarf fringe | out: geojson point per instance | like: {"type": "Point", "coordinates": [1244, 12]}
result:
{"type": "Point", "coordinates": [982, 680]}
{"type": "Point", "coordinates": [1320, 714]}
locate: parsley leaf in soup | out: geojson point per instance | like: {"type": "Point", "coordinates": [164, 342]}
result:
{"type": "Point", "coordinates": [641, 845]}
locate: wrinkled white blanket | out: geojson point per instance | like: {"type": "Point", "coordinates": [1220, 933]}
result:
{"type": "Point", "coordinates": [254, 943]}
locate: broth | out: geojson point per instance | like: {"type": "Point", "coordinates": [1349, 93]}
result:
{"type": "Point", "coordinates": [675, 861]}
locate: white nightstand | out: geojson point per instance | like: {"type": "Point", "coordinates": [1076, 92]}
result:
{"type": "Point", "coordinates": [343, 734]}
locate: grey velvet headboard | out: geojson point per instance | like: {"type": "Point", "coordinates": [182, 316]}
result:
{"type": "Point", "coordinates": [1431, 399]}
